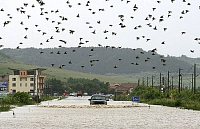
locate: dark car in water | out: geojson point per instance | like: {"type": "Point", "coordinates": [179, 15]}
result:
{"type": "Point", "coordinates": [98, 99]}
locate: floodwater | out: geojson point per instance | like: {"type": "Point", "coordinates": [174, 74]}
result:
{"type": "Point", "coordinates": [57, 114]}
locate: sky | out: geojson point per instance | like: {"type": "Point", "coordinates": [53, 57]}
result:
{"type": "Point", "coordinates": [139, 26]}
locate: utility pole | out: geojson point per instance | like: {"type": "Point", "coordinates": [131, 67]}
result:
{"type": "Point", "coordinates": [160, 81]}
{"type": "Point", "coordinates": [179, 80]}
{"type": "Point", "coordinates": [138, 82]}
{"type": "Point", "coordinates": [194, 78]}
{"type": "Point", "coordinates": [192, 83]}
{"type": "Point", "coordinates": [34, 84]}
{"type": "Point", "coordinates": [172, 83]}
{"type": "Point", "coordinates": [143, 81]}
{"type": "Point", "coordinates": [167, 83]}
{"type": "Point", "coordinates": [152, 81]}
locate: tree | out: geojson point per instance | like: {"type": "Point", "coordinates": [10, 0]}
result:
{"type": "Point", "coordinates": [56, 85]}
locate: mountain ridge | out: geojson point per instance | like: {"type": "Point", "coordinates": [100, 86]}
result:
{"type": "Point", "coordinates": [101, 60]}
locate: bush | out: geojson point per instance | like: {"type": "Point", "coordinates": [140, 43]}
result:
{"type": "Point", "coordinates": [148, 93]}
{"type": "Point", "coordinates": [9, 100]}
{"type": "Point", "coordinates": [185, 99]}
{"type": "Point", "coordinates": [4, 106]}
{"type": "Point", "coordinates": [23, 98]}
{"type": "Point", "coordinates": [121, 98]}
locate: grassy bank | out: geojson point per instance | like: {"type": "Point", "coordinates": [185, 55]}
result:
{"type": "Point", "coordinates": [176, 103]}
{"type": "Point", "coordinates": [18, 99]}
{"type": "Point", "coordinates": [21, 99]}
{"type": "Point", "coordinates": [4, 108]}
{"type": "Point", "coordinates": [185, 99]}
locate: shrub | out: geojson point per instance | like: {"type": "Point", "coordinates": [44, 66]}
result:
{"type": "Point", "coordinates": [148, 93]}
{"type": "Point", "coordinates": [23, 98]}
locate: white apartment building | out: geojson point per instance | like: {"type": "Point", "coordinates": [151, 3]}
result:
{"type": "Point", "coordinates": [31, 81]}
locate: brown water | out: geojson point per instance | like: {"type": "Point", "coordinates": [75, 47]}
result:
{"type": "Point", "coordinates": [157, 117]}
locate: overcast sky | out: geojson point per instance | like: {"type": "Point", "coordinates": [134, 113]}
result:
{"type": "Point", "coordinates": [184, 17]}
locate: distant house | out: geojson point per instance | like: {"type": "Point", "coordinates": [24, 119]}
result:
{"type": "Point", "coordinates": [123, 87]}
{"type": "Point", "coordinates": [113, 86]}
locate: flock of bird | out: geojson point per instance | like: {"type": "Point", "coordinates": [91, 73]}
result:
{"type": "Point", "coordinates": [57, 27]}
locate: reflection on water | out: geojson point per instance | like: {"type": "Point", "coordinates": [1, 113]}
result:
{"type": "Point", "coordinates": [120, 118]}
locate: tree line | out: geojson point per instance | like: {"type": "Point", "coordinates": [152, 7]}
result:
{"type": "Point", "coordinates": [77, 84]}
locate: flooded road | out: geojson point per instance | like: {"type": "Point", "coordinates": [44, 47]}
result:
{"type": "Point", "coordinates": [155, 117]}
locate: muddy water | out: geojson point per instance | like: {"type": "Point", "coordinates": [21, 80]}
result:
{"type": "Point", "coordinates": [155, 117]}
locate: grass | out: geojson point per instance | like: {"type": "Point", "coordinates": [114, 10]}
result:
{"type": "Point", "coordinates": [62, 74]}
{"type": "Point", "coordinates": [194, 105]}
{"type": "Point", "coordinates": [4, 108]}
{"type": "Point", "coordinates": [165, 102]}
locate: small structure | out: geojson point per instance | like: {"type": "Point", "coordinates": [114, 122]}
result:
{"type": "Point", "coordinates": [113, 86]}
{"type": "Point", "coordinates": [123, 88]}
{"type": "Point", "coordinates": [3, 82]}
{"type": "Point", "coordinates": [3, 85]}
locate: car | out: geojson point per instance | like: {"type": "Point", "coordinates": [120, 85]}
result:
{"type": "Point", "coordinates": [79, 93]}
{"type": "Point", "coordinates": [98, 99]}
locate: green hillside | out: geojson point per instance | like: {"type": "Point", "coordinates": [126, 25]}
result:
{"type": "Point", "coordinates": [6, 62]}
{"type": "Point", "coordinates": [103, 68]}
{"type": "Point", "coordinates": [100, 60]}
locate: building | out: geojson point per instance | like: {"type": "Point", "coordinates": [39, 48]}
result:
{"type": "Point", "coordinates": [113, 86]}
{"type": "Point", "coordinates": [31, 81]}
{"type": "Point", "coordinates": [123, 87]}
{"type": "Point", "coordinates": [3, 85]}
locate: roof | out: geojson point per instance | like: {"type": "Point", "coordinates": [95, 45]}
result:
{"type": "Point", "coordinates": [123, 85]}
{"type": "Point", "coordinates": [29, 69]}
{"type": "Point", "coordinates": [129, 85]}
{"type": "Point", "coordinates": [114, 85]}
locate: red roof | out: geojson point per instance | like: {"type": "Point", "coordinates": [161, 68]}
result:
{"type": "Point", "coordinates": [114, 85]}
{"type": "Point", "coordinates": [129, 85]}
{"type": "Point", "coordinates": [124, 85]}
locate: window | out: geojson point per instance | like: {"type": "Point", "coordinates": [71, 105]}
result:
{"type": "Point", "coordinates": [25, 79]}
{"type": "Point", "coordinates": [13, 79]}
{"type": "Point", "coordinates": [20, 84]}
{"type": "Point", "coordinates": [25, 84]}
{"type": "Point", "coordinates": [14, 85]}
{"type": "Point", "coordinates": [31, 79]}
{"type": "Point", "coordinates": [16, 72]}
{"type": "Point", "coordinates": [13, 91]}
{"type": "Point", "coordinates": [20, 79]}
{"type": "Point", "coordinates": [31, 84]}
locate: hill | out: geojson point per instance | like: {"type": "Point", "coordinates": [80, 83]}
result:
{"type": "Point", "coordinates": [101, 60]}
{"type": "Point", "coordinates": [7, 62]}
